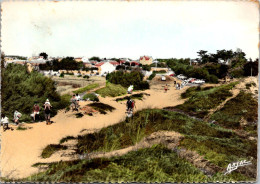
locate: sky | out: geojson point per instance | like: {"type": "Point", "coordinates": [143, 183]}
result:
{"type": "Point", "coordinates": [161, 29]}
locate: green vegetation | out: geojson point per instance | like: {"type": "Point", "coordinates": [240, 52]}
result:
{"type": "Point", "coordinates": [201, 102]}
{"type": "Point", "coordinates": [152, 76]}
{"type": "Point", "coordinates": [242, 106]}
{"type": "Point", "coordinates": [128, 78]}
{"type": "Point", "coordinates": [21, 89]}
{"type": "Point", "coordinates": [248, 85]}
{"type": "Point", "coordinates": [144, 123]}
{"type": "Point", "coordinates": [65, 139]}
{"type": "Point", "coordinates": [65, 100]}
{"type": "Point", "coordinates": [157, 164]}
{"type": "Point", "coordinates": [86, 88]}
{"type": "Point", "coordinates": [91, 97]}
{"type": "Point", "coordinates": [21, 128]}
{"type": "Point", "coordinates": [160, 71]}
{"type": "Point", "coordinates": [138, 96]}
{"type": "Point", "coordinates": [112, 90]}
{"type": "Point", "coordinates": [67, 63]}
{"type": "Point", "coordinates": [79, 115]}
{"type": "Point", "coordinates": [193, 90]}
{"type": "Point", "coordinates": [52, 148]}
{"type": "Point", "coordinates": [101, 107]}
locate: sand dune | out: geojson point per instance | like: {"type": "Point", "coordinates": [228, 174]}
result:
{"type": "Point", "coordinates": [21, 149]}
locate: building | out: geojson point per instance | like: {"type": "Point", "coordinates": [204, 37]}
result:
{"type": "Point", "coordinates": [146, 60]}
{"type": "Point", "coordinates": [78, 59]}
{"type": "Point", "coordinates": [105, 67]}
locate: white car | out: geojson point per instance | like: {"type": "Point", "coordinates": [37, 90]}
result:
{"type": "Point", "coordinates": [163, 78]}
{"type": "Point", "coordinates": [198, 81]}
{"type": "Point", "coordinates": [182, 77]}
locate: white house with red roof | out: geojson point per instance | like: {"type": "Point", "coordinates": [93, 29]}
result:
{"type": "Point", "coordinates": [146, 60]}
{"type": "Point", "coordinates": [105, 67]}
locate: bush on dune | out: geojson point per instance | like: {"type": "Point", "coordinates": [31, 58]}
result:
{"type": "Point", "coordinates": [242, 106]}
{"type": "Point", "coordinates": [91, 97]}
{"type": "Point", "coordinates": [201, 102]}
{"type": "Point", "coordinates": [86, 88]}
{"type": "Point", "coordinates": [21, 89]}
{"type": "Point", "coordinates": [111, 90]}
{"type": "Point", "coordinates": [126, 79]}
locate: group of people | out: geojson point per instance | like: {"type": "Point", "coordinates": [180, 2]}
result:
{"type": "Point", "coordinates": [47, 111]}
{"type": "Point", "coordinates": [75, 102]}
{"type": "Point", "coordinates": [35, 113]}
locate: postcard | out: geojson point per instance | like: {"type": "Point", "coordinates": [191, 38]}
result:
{"type": "Point", "coordinates": [129, 91]}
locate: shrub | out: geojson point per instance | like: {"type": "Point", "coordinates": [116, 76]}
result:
{"type": "Point", "coordinates": [91, 97]}
{"type": "Point", "coordinates": [126, 79]}
{"type": "Point", "coordinates": [152, 76]}
{"type": "Point", "coordinates": [86, 77]}
{"type": "Point", "coordinates": [101, 107]}
{"type": "Point", "coordinates": [21, 89]}
{"type": "Point", "coordinates": [112, 90]}
{"type": "Point", "coordinates": [62, 74]}
{"type": "Point", "coordinates": [242, 106]}
{"type": "Point", "coordinates": [201, 102]}
{"type": "Point", "coordinates": [86, 88]}
{"type": "Point", "coordinates": [52, 148]}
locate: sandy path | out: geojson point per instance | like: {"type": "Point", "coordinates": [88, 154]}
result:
{"type": "Point", "coordinates": [21, 149]}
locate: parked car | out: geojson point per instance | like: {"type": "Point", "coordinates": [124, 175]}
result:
{"type": "Point", "coordinates": [190, 80]}
{"type": "Point", "coordinates": [163, 78]}
{"type": "Point", "coordinates": [172, 75]}
{"type": "Point", "coordinates": [182, 77]}
{"type": "Point", "coordinates": [198, 81]}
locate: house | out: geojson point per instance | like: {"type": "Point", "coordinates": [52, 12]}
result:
{"type": "Point", "coordinates": [146, 60]}
{"type": "Point", "coordinates": [105, 67]}
{"type": "Point", "coordinates": [78, 59]}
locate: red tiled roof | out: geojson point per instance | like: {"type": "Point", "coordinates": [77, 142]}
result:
{"type": "Point", "coordinates": [99, 64]}
{"type": "Point", "coordinates": [114, 63]}
{"type": "Point", "coordinates": [145, 57]}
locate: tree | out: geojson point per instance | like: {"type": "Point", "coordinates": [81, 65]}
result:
{"type": "Point", "coordinates": [251, 68]}
{"type": "Point", "coordinates": [44, 55]}
{"type": "Point", "coordinates": [95, 58]}
{"type": "Point", "coordinates": [21, 89]}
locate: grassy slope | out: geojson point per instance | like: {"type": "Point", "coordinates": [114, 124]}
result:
{"type": "Point", "coordinates": [201, 101]}
{"type": "Point", "coordinates": [242, 106]}
{"type": "Point", "coordinates": [156, 164]}
{"type": "Point", "coordinates": [112, 90]}
{"type": "Point", "coordinates": [86, 88]}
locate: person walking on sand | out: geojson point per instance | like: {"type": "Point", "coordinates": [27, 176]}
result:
{"type": "Point", "coordinates": [129, 105]}
{"type": "Point", "coordinates": [165, 88]}
{"type": "Point", "coordinates": [5, 122]}
{"type": "Point", "coordinates": [133, 106]}
{"type": "Point", "coordinates": [17, 116]}
{"type": "Point", "coordinates": [74, 103]}
{"type": "Point", "coordinates": [78, 99]}
{"type": "Point", "coordinates": [47, 111]}
{"type": "Point", "coordinates": [36, 110]}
